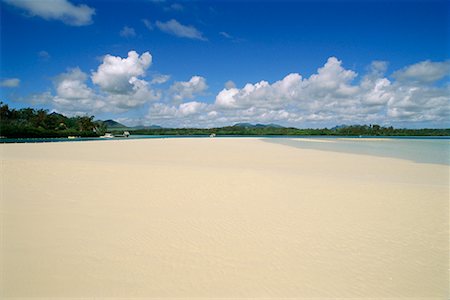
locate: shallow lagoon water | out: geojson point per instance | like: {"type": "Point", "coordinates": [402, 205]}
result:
{"type": "Point", "coordinates": [420, 150]}
{"type": "Point", "coordinates": [435, 150]}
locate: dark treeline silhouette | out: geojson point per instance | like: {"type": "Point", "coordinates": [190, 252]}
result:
{"type": "Point", "coordinates": [32, 123]}
{"type": "Point", "coordinates": [355, 130]}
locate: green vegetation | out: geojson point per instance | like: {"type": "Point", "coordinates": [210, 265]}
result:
{"type": "Point", "coordinates": [356, 130]}
{"type": "Point", "coordinates": [31, 123]}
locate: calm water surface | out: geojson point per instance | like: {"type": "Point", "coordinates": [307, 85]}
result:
{"type": "Point", "coordinates": [435, 150]}
{"type": "Point", "coordinates": [420, 150]}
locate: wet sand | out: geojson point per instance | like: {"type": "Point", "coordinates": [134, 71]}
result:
{"type": "Point", "coordinates": [217, 218]}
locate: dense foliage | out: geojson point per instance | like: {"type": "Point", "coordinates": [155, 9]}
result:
{"type": "Point", "coordinates": [30, 123]}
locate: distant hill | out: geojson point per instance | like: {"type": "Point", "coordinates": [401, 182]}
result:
{"type": "Point", "coordinates": [339, 127]}
{"type": "Point", "coordinates": [249, 125]}
{"type": "Point", "coordinates": [147, 127]}
{"type": "Point", "coordinates": [111, 124]}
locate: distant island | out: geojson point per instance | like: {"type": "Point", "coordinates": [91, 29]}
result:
{"type": "Point", "coordinates": [32, 123]}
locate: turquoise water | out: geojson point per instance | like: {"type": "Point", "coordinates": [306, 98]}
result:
{"type": "Point", "coordinates": [420, 150]}
{"type": "Point", "coordinates": [53, 140]}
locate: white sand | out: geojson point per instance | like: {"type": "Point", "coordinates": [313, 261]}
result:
{"type": "Point", "coordinates": [219, 218]}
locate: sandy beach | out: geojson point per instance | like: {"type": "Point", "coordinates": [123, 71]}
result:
{"type": "Point", "coordinates": [218, 218]}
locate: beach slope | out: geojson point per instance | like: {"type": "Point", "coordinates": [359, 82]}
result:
{"type": "Point", "coordinates": [215, 218]}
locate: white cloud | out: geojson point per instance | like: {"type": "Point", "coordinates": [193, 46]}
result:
{"type": "Point", "coordinates": [191, 108]}
{"type": "Point", "coordinates": [118, 75]}
{"type": "Point", "coordinates": [62, 10]}
{"type": "Point", "coordinates": [377, 68]}
{"type": "Point", "coordinates": [71, 85]}
{"type": "Point", "coordinates": [182, 90]}
{"type": "Point", "coordinates": [10, 82]}
{"type": "Point", "coordinates": [185, 114]}
{"type": "Point", "coordinates": [261, 94]}
{"type": "Point", "coordinates": [419, 103]}
{"type": "Point", "coordinates": [226, 98]}
{"type": "Point", "coordinates": [424, 72]}
{"type": "Point", "coordinates": [138, 96]}
{"type": "Point", "coordinates": [122, 87]}
{"type": "Point", "coordinates": [73, 96]}
{"type": "Point", "coordinates": [121, 79]}
{"type": "Point", "coordinates": [333, 95]}
{"type": "Point", "coordinates": [160, 79]}
{"type": "Point", "coordinates": [173, 27]}
{"type": "Point", "coordinates": [127, 32]}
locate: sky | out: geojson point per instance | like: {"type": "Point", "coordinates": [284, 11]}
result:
{"type": "Point", "coordinates": [216, 63]}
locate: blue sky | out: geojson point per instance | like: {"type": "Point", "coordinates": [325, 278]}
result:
{"type": "Point", "coordinates": [201, 64]}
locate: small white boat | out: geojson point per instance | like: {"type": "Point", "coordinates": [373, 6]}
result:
{"type": "Point", "coordinates": [124, 135]}
{"type": "Point", "coordinates": [107, 136]}
{"type": "Point", "coordinates": [212, 135]}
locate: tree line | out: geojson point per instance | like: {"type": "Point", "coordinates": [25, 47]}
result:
{"type": "Point", "coordinates": [354, 130]}
{"type": "Point", "coordinates": [32, 123]}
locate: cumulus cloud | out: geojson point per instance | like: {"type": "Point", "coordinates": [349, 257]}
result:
{"type": "Point", "coordinates": [140, 94]}
{"type": "Point", "coordinates": [62, 10]}
{"type": "Point", "coordinates": [424, 72]}
{"type": "Point", "coordinates": [333, 95]}
{"type": "Point", "coordinates": [10, 82]}
{"type": "Point", "coordinates": [419, 103]}
{"type": "Point", "coordinates": [118, 86]}
{"type": "Point", "coordinates": [175, 28]}
{"type": "Point", "coordinates": [182, 90]}
{"type": "Point", "coordinates": [260, 94]}
{"type": "Point", "coordinates": [120, 75]}
{"type": "Point", "coordinates": [184, 114]}
{"type": "Point", "coordinates": [121, 79]}
{"type": "Point", "coordinates": [191, 108]}
{"type": "Point", "coordinates": [377, 68]}
{"type": "Point", "coordinates": [323, 96]}
{"type": "Point", "coordinates": [127, 32]}
{"type": "Point", "coordinates": [73, 95]}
